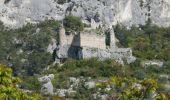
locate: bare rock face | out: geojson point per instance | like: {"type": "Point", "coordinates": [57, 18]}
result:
{"type": "Point", "coordinates": [16, 13]}
{"type": "Point", "coordinates": [127, 12]}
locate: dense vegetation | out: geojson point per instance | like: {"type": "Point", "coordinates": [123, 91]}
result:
{"type": "Point", "coordinates": [61, 1]}
{"type": "Point", "coordinates": [112, 72]}
{"type": "Point", "coordinates": [26, 48]}
{"type": "Point", "coordinates": [9, 89]}
{"type": "Point", "coordinates": [73, 24]}
{"type": "Point", "coordinates": [25, 51]}
{"type": "Point", "coordinates": [148, 42]}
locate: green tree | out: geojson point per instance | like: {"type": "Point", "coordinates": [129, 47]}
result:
{"type": "Point", "coordinates": [73, 23]}
{"type": "Point", "coordinates": [132, 89]}
{"type": "Point", "coordinates": [26, 47]}
{"type": "Point", "coordinates": [37, 61]}
{"type": "Point", "coordinates": [61, 1]}
{"type": "Point", "coordinates": [120, 34]}
{"type": "Point", "coordinates": [9, 89]}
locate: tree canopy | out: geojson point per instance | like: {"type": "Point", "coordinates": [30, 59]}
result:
{"type": "Point", "coordinates": [9, 87]}
{"type": "Point", "coordinates": [73, 23]}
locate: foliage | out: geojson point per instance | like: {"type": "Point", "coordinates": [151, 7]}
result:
{"type": "Point", "coordinates": [26, 47]}
{"type": "Point", "coordinates": [124, 77]}
{"type": "Point", "coordinates": [131, 89]}
{"type": "Point", "coordinates": [61, 1]}
{"type": "Point", "coordinates": [120, 34]}
{"type": "Point", "coordinates": [90, 67]}
{"type": "Point", "coordinates": [1, 26]}
{"type": "Point", "coordinates": [25, 51]}
{"type": "Point", "coordinates": [9, 89]}
{"type": "Point", "coordinates": [30, 83]}
{"type": "Point", "coordinates": [73, 23]}
{"type": "Point", "coordinates": [147, 41]}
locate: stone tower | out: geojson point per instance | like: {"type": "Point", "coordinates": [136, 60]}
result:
{"type": "Point", "coordinates": [62, 37]}
{"type": "Point", "coordinates": [112, 39]}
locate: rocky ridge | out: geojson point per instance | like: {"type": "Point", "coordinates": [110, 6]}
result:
{"type": "Point", "coordinates": [16, 13]}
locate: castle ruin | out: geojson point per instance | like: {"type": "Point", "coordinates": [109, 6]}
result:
{"type": "Point", "coordinates": [85, 45]}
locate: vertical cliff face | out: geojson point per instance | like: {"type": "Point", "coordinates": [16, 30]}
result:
{"type": "Point", "coordinates": [16, 13]}
{"type": "Point", "coordinates": [110, 12]}
{"type": "Point", "coordinates": [127, 12]}
{"type": "Point", "coordinates": [160, 12]}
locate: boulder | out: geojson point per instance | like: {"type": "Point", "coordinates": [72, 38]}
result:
{"type": "Point", "coordinates": [90, 85]}
{"type": "Point", "coordinates": [47, 86]}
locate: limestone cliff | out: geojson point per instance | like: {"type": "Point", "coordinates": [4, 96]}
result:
{"type": "Point", "coordinates": [16, 13]}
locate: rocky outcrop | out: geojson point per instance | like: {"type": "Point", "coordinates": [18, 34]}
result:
{"type": "Point", "coordinates": [74, 84]}
{"type": "Point", "coordinates": [152, 63]}
{"type": "Point", "coordinates": [52, 46]}
{"type": "Point", "coordinates": [47, 87]}
{"type": "Point", "coordinates": [17, 13]}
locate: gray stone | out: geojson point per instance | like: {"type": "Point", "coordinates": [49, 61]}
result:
{"type": "Point", "coordinates": [47, 87]}
{"type": "Point", "coordinates": [118, 54]}
{"type": "Point", "coordinates": [74, 82]}
{"type": "Point", "coordinates": [17, 13]}
{"type": "Point", "coordinates": [52, 46]}
{"type": "Point", "coordinates": [165, 76]}
{"type": "Point", "coordinates": [78, 46]}
{"type": "Point", "coordinates": [167, 87]}
{"type": "Point", "coordinates": [152, 63]}
{"type": "Point", "coordinates": [65, 92]}
{"type": "Point", "coordinates": [90, 85]}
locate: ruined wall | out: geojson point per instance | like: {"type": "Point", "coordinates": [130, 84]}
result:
{"type": "Point", "coordinates": [89, 44]}
{"type": "Point", "coordinates": [92, 40]}
{"type": "Point", "coordinates": [69, 39]}
{"type": "Point", "coordinates": [84, 39]}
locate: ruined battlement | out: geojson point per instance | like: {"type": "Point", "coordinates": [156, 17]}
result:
{"type": "Point", "coordinates": [83, 39]}
{"type": "Point", "coordinates": [89, 44]}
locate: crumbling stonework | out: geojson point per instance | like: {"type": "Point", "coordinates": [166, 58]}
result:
{"type": "Point", "coordinates": [118, 54]}
{"type": "Point", "coordinates": [87, 45]}
{"type": "Point", "coordinates": [83, 39]}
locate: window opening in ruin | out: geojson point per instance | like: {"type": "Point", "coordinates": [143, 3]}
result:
{"type": "Point", "coordinates": [107, 40]}
{"type": "Point", "coordinates": [68, 33]}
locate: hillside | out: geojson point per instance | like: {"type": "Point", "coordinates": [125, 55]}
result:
{"type": "Point", "coordinates": [84, 49]}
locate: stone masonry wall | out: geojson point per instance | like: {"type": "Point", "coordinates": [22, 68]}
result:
{"type": "Point", "coordinates": [89, 44]}
{"type": "Point", "coordinates": [92, 40]}
{"type": "Point", "coordinates": [65, 39]}
{"type": "Point", "coordinates": [83, 39]}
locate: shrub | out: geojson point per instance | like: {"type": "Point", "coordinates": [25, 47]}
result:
{"type": "Point", "coordinates": [8, 88]}
{"type": "Point", "coordinates": [30, 83]}
{"type": "Point", "coordinates": [26, 47]}
{"type": "Point", "coordinates": [139, 74]}
{"type": "Point", "coordinates": [73, 23]}
{"type": "Point", "coordinates": [120, 34]}
{"type": "Point", "coordinates": [61, 1]}
{"type": "Point", "coordinates": [1, 26]}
